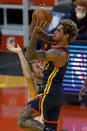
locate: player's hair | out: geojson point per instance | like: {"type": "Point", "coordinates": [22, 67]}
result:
{"type": "Point", "coordinates": [81, 3]}
{"type": "Point", "coordinates": [69, 27]}
{"type": "Point", "coordinates": [30, 64]}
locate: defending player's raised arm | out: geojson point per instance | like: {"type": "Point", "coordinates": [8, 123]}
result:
{"type": "Point", "coordinates": [26, 70]}
{"type": "Point", "coordinates": [32, 88]}
{"type": "Point", "coordinates": [25, 67]}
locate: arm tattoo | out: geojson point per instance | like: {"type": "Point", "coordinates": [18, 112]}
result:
{"type": "Point", "coordinates": [41, 55]}
{"type": "Point", "coordinates": [27, 122]}
{"type": "Point", "coordinates": [46, 37]}
{"type": "Point", "coordinates": [31, 49]}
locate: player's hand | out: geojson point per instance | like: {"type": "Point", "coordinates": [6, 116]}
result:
{"type": "Point", "coordinates": [32, 28]}
{"type": "Point", "coordinates": [14, 49]}
{"type": "Point", "coordinates": [41, 26]}
{"type": "Point", "coordinates": [81, 93]}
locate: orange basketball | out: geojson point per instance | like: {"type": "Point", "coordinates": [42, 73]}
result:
{"type": "Point", "coordinates": [42, 14]}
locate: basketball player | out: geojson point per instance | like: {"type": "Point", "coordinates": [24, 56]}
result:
{"type": "Point", "coordinates": [51, 94]}
{"type": "Point", "coordinates": [82, 91]}
{"type": "Point", "coordinates": [33, 71]}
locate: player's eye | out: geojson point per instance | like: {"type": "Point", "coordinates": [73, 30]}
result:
{"type": "Point", "coordinates": [58, 30]}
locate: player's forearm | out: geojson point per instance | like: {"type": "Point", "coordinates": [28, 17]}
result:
{"type": "Point", "coordinates": [31, 49]}
{"type": "Point", "coordinates": [25, 67]}
{"type": "Point", "coordinates": [46, 37]}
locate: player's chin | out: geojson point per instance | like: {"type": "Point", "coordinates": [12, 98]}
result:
{"type": "Point", "coordinates": [54, 37]}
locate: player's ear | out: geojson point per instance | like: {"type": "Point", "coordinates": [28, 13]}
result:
{"type": "Point", "coordinates": [67, 36]}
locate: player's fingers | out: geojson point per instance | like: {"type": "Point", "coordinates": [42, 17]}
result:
{"type": "Point", "coordinates": [34, 20]}
{"type": "Point", "coordinates": [18, 45]}
{"type": "Point", "coordinates": [9, 45]}
{"type": "Point", "coordinates": [41, 24]}
{"type": "Point", "coordinates": [44, 25]}
{"type": "Point", "coordinates": [37, 23]}
{"type": "Point", "coordinates": [44, 5]}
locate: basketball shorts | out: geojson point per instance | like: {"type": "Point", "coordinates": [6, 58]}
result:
{"type": "Point", "coordinates": [49, 105]}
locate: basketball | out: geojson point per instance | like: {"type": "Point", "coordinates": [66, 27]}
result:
{"type": "Point", "coordinates": [42, 14]}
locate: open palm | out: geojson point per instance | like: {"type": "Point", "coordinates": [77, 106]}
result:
{"type": "Point", "coordinates": [14, 49]}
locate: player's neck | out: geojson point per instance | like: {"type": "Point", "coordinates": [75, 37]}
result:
{"type": "Point", "coordinates": [62, 43]}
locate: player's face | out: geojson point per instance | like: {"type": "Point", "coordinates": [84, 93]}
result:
{"type": "Point", "coordinates": [59, 34]}
{"type": "Point", "coordinates": [38, 69]}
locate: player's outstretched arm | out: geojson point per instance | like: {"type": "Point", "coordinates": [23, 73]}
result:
{"type": "Point", "coordinates": [57, 56]}
{"type": "Point", "coordinates": [37, 32]}
{"type": "Point", "coordinates": [25, 68]}
{"type": "Point", "coordinates": [31, 49]}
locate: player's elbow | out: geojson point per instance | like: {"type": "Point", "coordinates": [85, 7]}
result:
{"type": "Point", "coordinates": [31, 55]}
{"type": "Point", "coordinates": [61, 61]}
{"type": "Point", "coordinates": [26, 54]}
